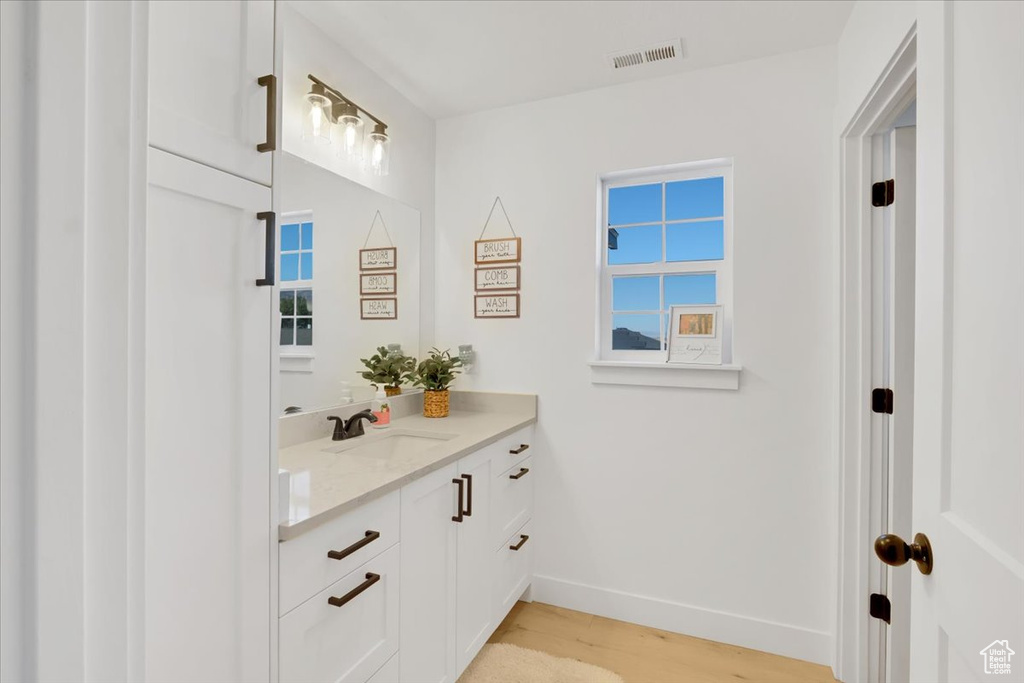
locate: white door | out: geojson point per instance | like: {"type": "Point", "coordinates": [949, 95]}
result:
{"type": "Point", "coordinates": [969, 376]}
{"type": "Point", "coordinates": [205, 99]}
{"type": "Point", "coordinates": [430, 507]}
{"type": "Point", "coordinates": [208, 451]}
{"type": "Point", "coordinates": [475, 613]}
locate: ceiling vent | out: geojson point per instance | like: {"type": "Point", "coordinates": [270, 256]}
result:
{"type": "Point", "coordinates": [658, 52]}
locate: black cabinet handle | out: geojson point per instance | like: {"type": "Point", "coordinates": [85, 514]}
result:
{"type": "Point", "coordinates": [523, 538]}
{"type": "Point", "coordinates": [522, 447]}
{"type": "Point", "coordinates": [460, 483]}
{"type": "Point", "coordinates": [270, 83]}
{"type": "Point", "coordinates": [469, 494]}
{"type": "Point", "coordinates": [519, 475]}
{"type": "Point", "coordinates": [370, 580]}
{"type": "Point", "coordinates": [369, 538]}
{"type": "Point", "coordinates": [271, 249]}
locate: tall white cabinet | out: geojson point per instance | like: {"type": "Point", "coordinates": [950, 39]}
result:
{"type": "Point", "coordinates": [208, 547]}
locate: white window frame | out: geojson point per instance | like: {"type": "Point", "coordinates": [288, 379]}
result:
{"type": "Point", "coordinates": [721, 268]}
{"type": "Point", "coordinates": [291, 350]}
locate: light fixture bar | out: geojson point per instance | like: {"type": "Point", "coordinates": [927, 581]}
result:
{"type": "Point", "coordinates": [383, 126]}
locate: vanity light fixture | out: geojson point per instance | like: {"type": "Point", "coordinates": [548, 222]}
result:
{"type": "Point", "coordinates": [316, 124]}
{"type": "Point", "coordinates": [326, 105]}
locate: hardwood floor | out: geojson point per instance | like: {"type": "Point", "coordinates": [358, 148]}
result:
{"type": "Point", "coordinates": [646, 655]}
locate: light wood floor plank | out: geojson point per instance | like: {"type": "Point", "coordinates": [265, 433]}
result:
{"type": "Point", "coordinates": [646, 655]}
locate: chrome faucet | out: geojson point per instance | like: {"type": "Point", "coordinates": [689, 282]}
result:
{"type": "Point", "coordinates": [352, 427]}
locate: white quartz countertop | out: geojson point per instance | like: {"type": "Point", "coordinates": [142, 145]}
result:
{"type": "Point", "coordinates": [330, 484]}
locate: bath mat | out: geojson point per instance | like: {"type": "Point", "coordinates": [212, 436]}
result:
{"type": "Point", "coordinates": [504, 663]}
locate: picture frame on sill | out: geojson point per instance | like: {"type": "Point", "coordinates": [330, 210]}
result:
{"type": "Point", "coordinates": [695, 335]}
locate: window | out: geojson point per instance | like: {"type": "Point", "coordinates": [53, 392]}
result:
{"type": "Point", "coordinates": [296, 283]}
{"type": "Point", "coordinates": [665, 241]}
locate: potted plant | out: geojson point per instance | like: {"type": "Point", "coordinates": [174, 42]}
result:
{"type": "Point", "coordinates": [388, 369]}
{"type": "Point", "coordinates": [434, 374]}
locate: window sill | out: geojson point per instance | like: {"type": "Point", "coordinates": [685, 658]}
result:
{"type": "Point", "coordinates": [639, 373]}
{"type": "Point", "coordinates": [296, 362]}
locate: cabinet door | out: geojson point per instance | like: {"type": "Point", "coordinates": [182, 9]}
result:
{"type": "Point", "coordinates": [204, 100]}
{"type": "Point", "coordinates": [208, 451]}
{"type": "Point", "coordinates": [428, 557]}
{"type": "Point", "coordinates": [474, 606]}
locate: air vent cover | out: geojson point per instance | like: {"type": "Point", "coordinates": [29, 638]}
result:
{"type": "Point", "coordinates": [658, 52]}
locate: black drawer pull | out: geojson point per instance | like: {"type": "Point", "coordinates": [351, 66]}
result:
{"type": "Point", "coordinates": [522, 471]}
{"type": "Point", "coordinates": [370, 537]}
{"type": "Point", "coordinates": [270, 250]}
{"type": "Point", "coordinates": [523, 538]}
{"type": "Point", "coordinates": [469, 494]}
{"type": "Point", "coordinates": [370, 580]}
{"type": "Point", "coordinates": [522, 447]}
{"type": "Point", "coordinates": [270, 83]}
{"type": "Point", "coordinates": [460, 483]}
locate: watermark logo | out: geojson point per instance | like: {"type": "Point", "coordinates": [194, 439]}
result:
{"type": "Point", "coordinates": [997, 657]}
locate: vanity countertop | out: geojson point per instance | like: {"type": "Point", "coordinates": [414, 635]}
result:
{"type": "Point", "coordinates": [339, 482]}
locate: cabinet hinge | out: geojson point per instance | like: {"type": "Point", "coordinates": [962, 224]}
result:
{"type": "Point", "coordinates": [881, 401]}
{"type": "Point", "coordinates": [879, 607]}
{"type": "Point", "coordinates": [882, 193]}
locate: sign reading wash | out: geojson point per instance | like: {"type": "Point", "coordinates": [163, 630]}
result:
{"type": "Point", "coordinates": [997, 657]}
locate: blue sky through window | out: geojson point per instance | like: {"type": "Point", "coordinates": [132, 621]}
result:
{"type": "Point", "coordinates": [296, 252]}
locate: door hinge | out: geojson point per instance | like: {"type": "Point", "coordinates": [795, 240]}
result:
{"type": "Point", "coordinates": [882, 193]}
{"type": "Point", "coordinates": [881, 401]}
{"type": "Point", "coordinates": [879, 607]}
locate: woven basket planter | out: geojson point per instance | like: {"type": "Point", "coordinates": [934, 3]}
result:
{"type": "Point", "coordinates": [392, 391]}
{"type": "Point", "coordinates": [435, 403]}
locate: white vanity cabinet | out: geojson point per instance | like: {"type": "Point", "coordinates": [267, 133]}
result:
{"type": "Point", "coordinates": [206, 102]}
{"type": "Point", "coordinates": [446, 580]}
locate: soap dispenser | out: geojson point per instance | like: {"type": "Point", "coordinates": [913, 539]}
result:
{"type": "Point", "coordinates": [381, 410]}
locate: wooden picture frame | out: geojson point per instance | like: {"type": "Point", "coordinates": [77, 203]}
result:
{"type": "Point", "coordinates": [509, 283]}
{"type": "Point", "coordinates": [376, 289]}
{"type": "Point", "coordinates": [500, 250]}
{"type": "Point", "coordinates": [378, 258]}
{"type": "Point", "coordinates": [377, 303]}
{"type": "Point", "coordinates": [503, 310]}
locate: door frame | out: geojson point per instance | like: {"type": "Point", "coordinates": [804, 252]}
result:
{"type": "Point", "coordinates": [856, 318]}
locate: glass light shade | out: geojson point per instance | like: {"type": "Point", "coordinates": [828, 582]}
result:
{"type": "Point", "coordinates": [350, 137]}
{"type": "Point", "coordinates": [377, 154]}
{"type": "Point", "coordinates": [316, 123]}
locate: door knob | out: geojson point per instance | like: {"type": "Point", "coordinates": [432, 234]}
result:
{"type": "Point", "coordinates": [894, 551]}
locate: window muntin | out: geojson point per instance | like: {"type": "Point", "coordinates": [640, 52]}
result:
{"type": "Point", "coordinates": [665, 241]}
{"type": "Point", "coordinates": [296, 277]}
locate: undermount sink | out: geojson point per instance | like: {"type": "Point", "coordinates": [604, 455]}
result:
{"type": "Point", "coordinates": [387, 444]}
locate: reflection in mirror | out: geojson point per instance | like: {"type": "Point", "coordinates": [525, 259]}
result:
{"type": "Point", "coordinates": [325, 221]}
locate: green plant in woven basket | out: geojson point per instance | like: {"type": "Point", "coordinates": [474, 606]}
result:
{"type": "Point", "coordinates": [388, 368]}
{"type": "Point", "coordinates": [438, 371]}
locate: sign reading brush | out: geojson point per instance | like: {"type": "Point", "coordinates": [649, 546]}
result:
{"type": "Point", "coordinates": [493, 275]}
{"type": "Point", "coordinates": [378, 275]}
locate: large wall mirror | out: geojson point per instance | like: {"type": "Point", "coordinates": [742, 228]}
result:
{"type": "Point", "coordinates": [326, 323]}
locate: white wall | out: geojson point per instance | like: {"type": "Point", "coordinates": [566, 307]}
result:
{"type": "Point", "coordinates": [307, 50]}
{"type": "Point", "coordinates": [342, 214]}
{"type": "Point", "coordinates": [705, 512]}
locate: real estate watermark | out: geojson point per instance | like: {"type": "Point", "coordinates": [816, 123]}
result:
{"type": "Point", "coordinates": [997, 657]}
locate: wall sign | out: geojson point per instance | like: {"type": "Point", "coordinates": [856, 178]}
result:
{"type": "Point", "coordinates": [497, 278]}
{"type": "Point", "coordinates": [379, 309]}
{"type": "Point", "coordinates": [502, 250]}
{"type": "Point", "coordinates": [496, 305]}
{"type": "Point", "coordinates": [381, 258]}
{"type": "Point", "coordinates": [375, 284]}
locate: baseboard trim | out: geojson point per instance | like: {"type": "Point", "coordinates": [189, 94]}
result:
{"type": "Point", "coordinates": [734, 629]}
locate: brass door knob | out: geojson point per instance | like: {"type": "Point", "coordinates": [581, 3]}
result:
{"type": "Point", "coordinates": [894, 551]}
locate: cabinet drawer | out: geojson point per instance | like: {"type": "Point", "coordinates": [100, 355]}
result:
{"type": "Point", "coordinates": [517, 447]}
{"type": "Point", "coordinates": [387, 673]}
{"type": "Point", "coordinates": [513, 571]}
{"type": "Point", "coordinates": [323, 642]}
{"type": "Point", "coordinates": [512, 500]}
{"type": "Point", "coordinates": [306, 568]}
